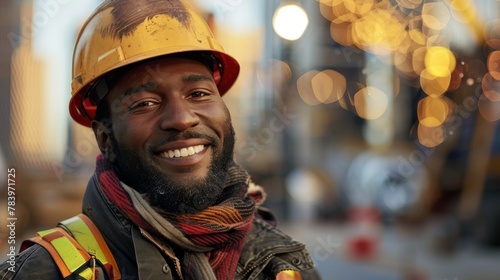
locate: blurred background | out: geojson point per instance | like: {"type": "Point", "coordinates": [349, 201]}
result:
{"type": "Point", "coordinates": [373, 125]}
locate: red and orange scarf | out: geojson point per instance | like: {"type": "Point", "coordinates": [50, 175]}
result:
{"type": "Point", "coordinates": [211, 239]}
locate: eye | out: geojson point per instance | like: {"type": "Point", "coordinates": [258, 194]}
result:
{"type": "Point", "coordinates": [142, 104]}
{"type": "Point", "coordinates": [198, 94]}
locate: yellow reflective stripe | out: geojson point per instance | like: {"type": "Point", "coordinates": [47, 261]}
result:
{"type": "Point", "coordinates": [72, 257]}
{"type": "Point", "coordinates": [85, 237]}
{"type": "Point", "coordinates": [289, 275]}
{"type": "Point", "coordinates": [69, 253]}
{"type": "Point", "coordinates": [46, 232]}
{"type": "Point", "coordinates": [87, 273]}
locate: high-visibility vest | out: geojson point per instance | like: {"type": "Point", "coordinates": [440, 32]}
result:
{"type": "Point", "coordinates": [78, 248]}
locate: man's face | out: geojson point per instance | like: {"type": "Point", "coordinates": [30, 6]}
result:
{"type": "Point", "coordinates": [171, 135]}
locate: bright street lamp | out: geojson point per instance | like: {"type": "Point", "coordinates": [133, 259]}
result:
{"type": "Point", "coordinates": [290, 21]}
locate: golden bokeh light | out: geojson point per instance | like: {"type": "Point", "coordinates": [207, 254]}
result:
{"type": "Point", "coordinates": [359, 7]}
{"type": "Point", "coordinates": [435, 15]}
{"type": "Point", "coordinates": [341, 13]}
{"type": "Point", "coordinates": [440, 61]}
{"type": "Point", "coordinates": [440, 38]}
{"type": "Point", "coordinates": [371, 103]}
{"type": "Point", "coordinates": [417, 36]}
{"type": "Point", "coordinates": [461, 8]}
{"type": "Point", "coordinates": [432, 85]}
{"type": "Point", "coordinates": [315, 87]}
{"type": "Point", "coordinates": [328, 86]}
{"type": "Point", "coordinates": [275, 77]}
{"type": "Point", "coordinates": [378, 32]}
{"type": "Point", "coordinates": [305, 89]}
{"type": "Point", "coordinates": [409, 4]}
{"type": "Point", "coordinates": [432, 111]}
{"type": "Point", "coordinates": [341, 33]}
{"type": "Point", "coordinates": [492, 34]}
{"type": "Point", "coordinates": [491, 87]}
{"type": "Point", "coordinates": [403, 63]}
{"type": "Point", "coordinates": [490, 110]}
{"type": "Point", "coordinates": [418, 60]}
{"type": "Point", "coordinates": [493, 64]}
{"type": "Point", "coordinates": [322, 86]}
{"type": "Point", "coordinates": [325, 8]}
{"type": "Point", "coordinates": [430, 136]}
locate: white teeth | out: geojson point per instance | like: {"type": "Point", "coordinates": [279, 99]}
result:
{"type": "Point", "coordinates": [184, 152]}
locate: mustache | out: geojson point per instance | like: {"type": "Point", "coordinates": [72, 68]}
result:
{"type": "Point", "coordinates": [185, 135]}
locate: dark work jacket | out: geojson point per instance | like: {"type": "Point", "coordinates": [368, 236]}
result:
{"type": "Point", "coordinates": [266, 250]}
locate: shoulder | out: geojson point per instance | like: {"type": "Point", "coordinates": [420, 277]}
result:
{"type": "Point", "coordinates": [33, 263]}
{"type": "Point", "coordinates": [268, 251]}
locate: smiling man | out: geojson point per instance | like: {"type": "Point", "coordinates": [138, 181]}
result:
{"type": "Point", "coordinates": [171, 136]}
{"type": "Point", "coordinates": [167, 200]}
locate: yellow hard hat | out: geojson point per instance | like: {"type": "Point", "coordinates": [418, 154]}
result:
{"type": "Point", "coordinates": [122, 32]}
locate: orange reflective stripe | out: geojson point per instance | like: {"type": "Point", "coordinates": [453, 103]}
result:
{"type": "Point", "coordinates": [71, 245]}
{"type": "Point", "coordinates": [52, 251]}
{"type": "Point", "coordinates": [65, 251]}
{"type": "Point", "coordinates": [87, 234]}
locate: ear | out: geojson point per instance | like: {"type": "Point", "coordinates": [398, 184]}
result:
{"type": "Point", "coordinates": [103, 136]}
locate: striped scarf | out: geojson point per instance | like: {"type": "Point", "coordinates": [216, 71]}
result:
{"type": "Point", "coordinates": [211, 239]}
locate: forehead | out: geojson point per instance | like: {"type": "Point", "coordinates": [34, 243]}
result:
{"type": "Point", "coordinates": [163, 67]}
{"type": "Point", "coordinates": [155, 72]}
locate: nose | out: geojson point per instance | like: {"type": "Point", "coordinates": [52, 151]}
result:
{"type": "Point", "coordinates": [178, 115]}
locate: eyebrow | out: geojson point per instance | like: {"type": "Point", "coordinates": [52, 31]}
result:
{"type": "Point", "coordinates": [150, 86]}
{"type": "Point", "coordinates": [135, 89]}
{"type": "Point", "coordinates": [196, 78]}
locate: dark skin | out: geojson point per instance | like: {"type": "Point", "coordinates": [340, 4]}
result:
{"type": "Point", "coordinates": [171, 135]}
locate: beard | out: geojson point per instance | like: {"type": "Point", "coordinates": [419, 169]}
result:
{"type": "Point", "coordinates": [176, 196]}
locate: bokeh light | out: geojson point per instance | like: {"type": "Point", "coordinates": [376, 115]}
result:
{"type": "Point", "coordinates": [418, 61]}
{"type": "Point", "coordinates": [290, 21]}
{"type": "Point", "coordinates": [430, 136]}
{"type": "Point", "coordinates": [494, 64]}
{"type": "Point", "coordinates": [328, 86]}
{"type": "Point", "coordinates": [316, 87]}
{"type": "Point", "coordinates": [492, 34]}
{"type": "Point", "coordinates": [371, 103]}
{"type": "Point", "coordinates": [491, 87]}
{"type": "Point", "coordinates": [276, 76]}
{"type": "Point", "coordinates": [379, 32]}
{"type": "Point", "coordinates": [440, 61]}
{"type": "Point", "coordinates": [434, 85]}
{"type": "Point", "coordinates": [435, 15]}
{"type": "Point", "coordinates": [409, 4]}
{"type": "Point", "coordinates": [415, 36]}
{"type": "Point", "coordinates": [432, 111]}
{"type": "Point", "coordinates": [305, 89]}
{"type": "Point", "coordinates": [490, 110]}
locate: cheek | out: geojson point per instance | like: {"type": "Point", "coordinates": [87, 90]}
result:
{"type": "Point", "coordinates": [220, 116]}
{"type": "Point", "coordinates": [130, 134]}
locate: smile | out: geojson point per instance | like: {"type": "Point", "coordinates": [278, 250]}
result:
{"type": "Point", "coordinates": [184, 152]}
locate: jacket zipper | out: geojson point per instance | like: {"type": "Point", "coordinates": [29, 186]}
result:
{"type": "Point", "coordinates": [273, 252]}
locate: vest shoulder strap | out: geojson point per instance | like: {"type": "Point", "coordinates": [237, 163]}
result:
{"type": "Point", "coordinates": [76, 245]}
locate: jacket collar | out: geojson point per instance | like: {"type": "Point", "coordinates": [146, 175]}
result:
{"type": "Point", "coordinates": [138, 253]}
